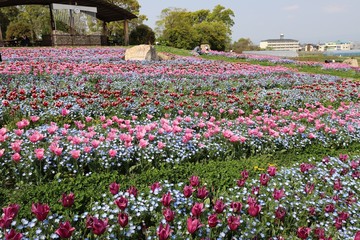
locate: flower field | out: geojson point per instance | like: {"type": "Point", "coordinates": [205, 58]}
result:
{"type": "Point", "coordinates": [69, 112]}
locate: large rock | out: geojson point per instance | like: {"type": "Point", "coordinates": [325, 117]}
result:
{"type": "Point", "coordinates": [141, 52]}
{"type": "Point", "coordinates": [165, 56]}
{"type": "Point", "coordinates": [352, 62]}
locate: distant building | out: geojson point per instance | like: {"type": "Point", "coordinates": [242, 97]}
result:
{"type": "Point", "coordinates": [280, 44]}
{"type": "Point", "coordinates": [335, 46]}
{"type": "Point", "coordinates": [309, 47]}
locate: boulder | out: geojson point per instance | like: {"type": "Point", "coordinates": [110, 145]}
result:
{"type": "Point", "coordinates": [141, 52]}
{"type": "Point", "coordinates": [165, 56]}
{"type": "Point", "coordinates": [352, 62]}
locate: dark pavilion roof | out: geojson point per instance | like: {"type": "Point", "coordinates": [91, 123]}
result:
{"type": "Point", "coordinates": [105, 11]}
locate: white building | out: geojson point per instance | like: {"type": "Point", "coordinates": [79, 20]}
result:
{"type": "Point", "coordinates": [335, 46]}
{"type": "Point", "coordinates": [280, 44]}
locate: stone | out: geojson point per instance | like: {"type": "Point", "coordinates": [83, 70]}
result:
{"type": "Point", "coordinates": [205, 47]}
{"type": "Point", "coordinates": [352, 62]}
{"type": "Point", "coordinates": [165, 56]}
{"type": "Point", "coordinates": [141, 52]}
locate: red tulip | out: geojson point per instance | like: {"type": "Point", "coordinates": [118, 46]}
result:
{"type": "Point", "coordinates": [236, 206]}
{"type": "Point", "coordinates": [219, 206]}
{"type": "Point", "coordinates": [193, 224]}
{"type": "Point", "coordinates": [202, 192]}
{"type": "Point", "coordinates": [123, 219]}
{"type": "Point", "coordinates": [121, 202]}
{"type": "Point", "coordinates": [319, 232]}
{"type": "Point", "coordinates": [155, 186]}
{"type": "Point", "coordinates": [357, 236]}
{"type": "Point", "coordinates": [194, 181]}
{"type": "Point", "coordinates": [132, 191]}
{"type": "Point", "coordinates": [278, 194]}
{"type": "Point", "coordinates": [99, 226]}
{"type": "Point", "coordinates": [164, 232]}
{"type": "Point", "coordinates": [166, 199]}
{"type": "Point", "coordinates": [114, 188]}
{"type": "Point", "coordinates": [271, 170]}
{"type": "Point", "coordinates": [168, 214]}
{"type": "Point", "coordinates": [245, 174]}
{"type": "Point", "coordinates": [13, 235]}
{"type": "Point", "coordinates": [264, 179]}
{"type": "Point", "coordinates": [213, 220]}
{"type": "Point", "coordinates": [67, 200]}
{"type": "Point", "coordinates": [280, 213]}
{"type": "Point", "coordinates": [241, 182]}
{"type": "Point", "coordinates": [254, 209]}
{"type": "Point", "coordinates": [329, 208]}
{"type": "Point", "coordinates": [233, 222]}
{"type": "Point", "coordinates": [40, 210]}
{"type": "Point", "coordinates": [197, 209]}
{"type": "Point", "coordinates": [303, 232]}
{"type": "Point", "coordinates": [188, 190]}
{"type": "Point", "coordinates": [65, 230]}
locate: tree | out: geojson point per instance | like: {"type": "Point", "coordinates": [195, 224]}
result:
{"type": "Point", "coordinates": [7, 15]}
{"type": "Point", "coordinates": [18, 30]}
{"type": "Point", "coordinates": [142, 34]}
{"type": "Point", "coordinates": [244, 44]}
{"type": "Point", "coordinates": [183, 29]}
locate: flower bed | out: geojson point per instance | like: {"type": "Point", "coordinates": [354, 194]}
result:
{"type": "Point", "coordinates": [309, 200]}
{"type": "Point", "coordinates": [79, 111]}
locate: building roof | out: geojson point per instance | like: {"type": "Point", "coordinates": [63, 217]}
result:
{"type": "Point", "coordinates": [105, 11]}
{"type": "Point", "coordinates": [279, 40]}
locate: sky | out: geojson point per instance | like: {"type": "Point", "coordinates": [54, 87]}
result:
{"type": "Point", "coordinates": [309, 21]}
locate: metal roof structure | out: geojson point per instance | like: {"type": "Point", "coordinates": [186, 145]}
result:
{"type": "Point", "coordinates": [106, 11]}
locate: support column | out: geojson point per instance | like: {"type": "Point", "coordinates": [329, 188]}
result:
{"type": "Point", "coordinates": [1, 38]}
{"type": "Point", "coordinates": [52, 22]}
{"type": "Point", "coordinates": [104, 34]}
{"type": "Point", "coordinates": [126, 32]}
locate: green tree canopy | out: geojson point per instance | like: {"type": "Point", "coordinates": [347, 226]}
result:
{"type": "Point", "coordinates": [184, 29]}
{"type": "Point", "coordinates": [142, 34]}
{"type": "Point", "coordinates": [244, 44]}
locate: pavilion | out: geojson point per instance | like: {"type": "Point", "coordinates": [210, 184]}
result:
{"type": "Point", "coordinates": [106, 12]}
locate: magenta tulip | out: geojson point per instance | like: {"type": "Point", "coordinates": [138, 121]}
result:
{"type": "Point", "coordinates": [303, 232]}
{"type": "Point", "coordinates": [164, 232]}
{"type": "Point", "coordinates": [114, 188]}
{"type": "Point", "coordinates": [123, 219]}
{"type": "Point", "coordinates": [233, 222]}
{"type": "Point", "coordinates": [67, 200]}
{"type": "Point", "coordinates": [168, 214]}
{"type": "Point", "coordinates": [254, 209]}
{"type": "Point", "coordinates": [188, 191]}
{"type": "Point", "coordinates": [166, 199]}
{"type": "Point", "coordinates": [65, 230]}
{"type": "Point", "coordinates": [193, 224]}
{"type": "Point", "coordinates": [40, 210]}
{"type": "Point", "coordinates": [219, 206]}
{"type": "Point", "coordinates": [13, 235]}
{"type": "Point", "coordinates": [122, 203]}
{"type": "Point", "coordinates": [213, 220]}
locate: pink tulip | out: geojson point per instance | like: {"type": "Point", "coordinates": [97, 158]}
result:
{"type": "Point", "coordinates": [112, 153]}
{"type": "Point", "coordinates": [16, 157]}
{"type": "Point", "coordinates": [39, 153]}
{"type": "Point", "coordinates": [40, 210]}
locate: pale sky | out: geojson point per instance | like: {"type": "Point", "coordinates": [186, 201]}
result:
{"type": "Point", "coordinates": [309, 21]}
